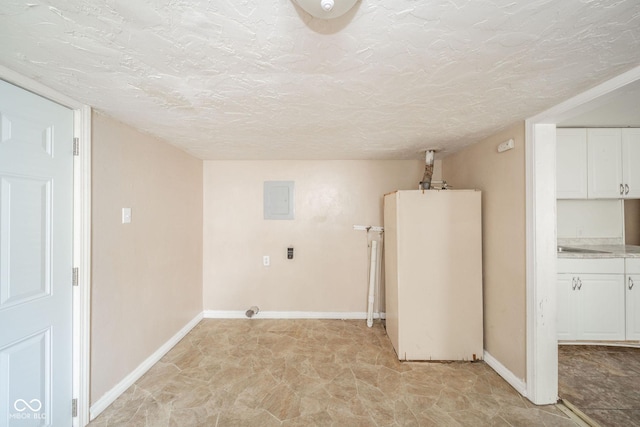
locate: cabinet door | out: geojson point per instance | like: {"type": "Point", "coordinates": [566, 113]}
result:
{"type": "Point", "coordinates": [571, 163]}
{"type": "Point", "coordinates": [632, 286]}
{"type": "Point", "coordinates": [600, 307]}
{"type": "Point", "coordinates": [565, 311]}
{"type": "Point", "coordinates": [604, 170]}
{"type": "Point", "coordinates": [630, 162]}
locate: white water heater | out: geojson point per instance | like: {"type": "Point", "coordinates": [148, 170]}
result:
{"type": "Point", "coordinates": [433, 274]}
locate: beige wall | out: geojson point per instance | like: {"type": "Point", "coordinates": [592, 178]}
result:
{"type": "Point", "coordinates": [632, 222]}
{"type": "Point", "coordinates": [147, 275]}
{"type": "Point", "coordinates": [501, 177]}
{"type": "Point", "coordinates": [329, 269]}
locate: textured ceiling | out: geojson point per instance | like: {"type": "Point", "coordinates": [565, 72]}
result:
{"type": "Point", "coordinates": [250, 79]}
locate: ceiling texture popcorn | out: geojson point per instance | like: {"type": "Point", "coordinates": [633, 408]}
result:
{"type": "Point", "coordinates": [265, 80]}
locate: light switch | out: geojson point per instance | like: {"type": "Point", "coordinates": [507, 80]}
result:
{"type": "Point", "coordinates": [126, 215]}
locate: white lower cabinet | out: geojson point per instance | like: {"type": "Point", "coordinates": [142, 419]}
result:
{"type": "Point", "coordinates": [633, 306]}
{"type": "Point", "coordinates": [589, 307]}
{"type": "Point", "coordinates": [632, 289]}
{"type": "Point", "coordinates": [566, 305]}
{"type": "Point", "coordinates": [591, 299]}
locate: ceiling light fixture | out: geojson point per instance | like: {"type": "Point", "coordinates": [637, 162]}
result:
{"type": "Point", "coordinates": [326, 9]}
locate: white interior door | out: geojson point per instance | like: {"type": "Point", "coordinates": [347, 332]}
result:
{"type": "Point", "coordinates": [36, 219]}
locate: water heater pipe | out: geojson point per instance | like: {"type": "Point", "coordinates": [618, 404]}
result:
{"type": "Point", "coordinates": [429, 158]}
{"type": "Point", "coordinates": [372, 281]}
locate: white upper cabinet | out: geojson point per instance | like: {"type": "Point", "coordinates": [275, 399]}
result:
{"type": "Point", "coordinates": [598, 163]}
{"type": "Point", "coordinates": [630, 162]}
{"type": "Point", "coordinates": [571, 152]}
{"type": "Point", "coordinates": [604, 154]}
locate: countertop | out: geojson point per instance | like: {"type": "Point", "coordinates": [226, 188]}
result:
{"type": "Point", "coordinates": [605, 251]}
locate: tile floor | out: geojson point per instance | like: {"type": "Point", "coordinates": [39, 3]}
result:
{"type": "Point", "coordinates": [314, 373]}
{"type": "Point", "coordinates": [603, 382]}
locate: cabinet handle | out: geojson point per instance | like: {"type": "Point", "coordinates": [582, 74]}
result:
{"type": "Point", "coordinates": [579, 284]}
{"type": "Point", "coordinates": [626, 189]}
{"type": "Point", "coordinates": [573, 283]}
{"type": "Point", "coordinates": [630, 283]}
{"type": "Point", "coordinates": [621, 189]}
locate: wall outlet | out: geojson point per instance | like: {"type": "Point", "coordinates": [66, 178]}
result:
{"type": "Point", "coordinates": [266, 261]}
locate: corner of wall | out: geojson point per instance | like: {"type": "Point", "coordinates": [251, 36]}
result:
{"type": "Point", "coordinates": [501, 178]}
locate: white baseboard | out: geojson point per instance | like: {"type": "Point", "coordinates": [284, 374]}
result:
{"type": "Point", "coordinates": [109, 397]}
{"type": "Point", "coordinates": [343, 315]}
{"type": "Point", "coordinates": [519, 384]}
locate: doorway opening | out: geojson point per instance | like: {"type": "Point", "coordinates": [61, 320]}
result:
{"type": "Point", "coordinates": [540, 137]}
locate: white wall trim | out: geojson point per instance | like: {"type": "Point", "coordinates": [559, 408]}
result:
{"type": "Point", "coordinates": [542, 359]}
{"type": "Point", "coordinates": [343, 315]}
{"type": "Point", "coordinates": [506, 374]}
{"type": "Point", "coordinates": [82, 260]}
{"type": "Point", "coordinates": [109, 397]}
{"type": "Point", "coordinates": [81, 237]}
{"type": "Point", "coordinates": [38, 88]}
{"type": "Point", "coordinates": [541, 242]}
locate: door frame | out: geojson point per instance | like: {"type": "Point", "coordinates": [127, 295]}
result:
{"type": "Point", "coordinates": [541, 243]}
{"type": "Point", "coordinates": [81, 237]}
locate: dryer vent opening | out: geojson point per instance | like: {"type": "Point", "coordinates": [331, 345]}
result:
{"type": "Point", "coordinates": [252, 311]}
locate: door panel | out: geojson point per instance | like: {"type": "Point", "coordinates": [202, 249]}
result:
{"type": "Point", "coordinates": [632, 287]}
{"type": "Point", "coordinates": [28, 365]}
{"type": "Point", "coordinates": [36, 201]}
{"type": "Point", "coordinates": [604, 159]}
{"type": "Point", "coordinates": [571, 163]}
{"type": "Point", "coordinates": [26, 218]}
{"type": "Point", "coordinates": [601, 299]}
{"type": "Point", "coordinates": [565, 309]}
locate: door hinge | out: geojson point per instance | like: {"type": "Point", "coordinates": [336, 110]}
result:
{"type": "Point", "coordinates": [74, 408]}
{"type": "Point", "coordinates": [75, 276]}
{"type": "Point", "coordinates": [76, 146]}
